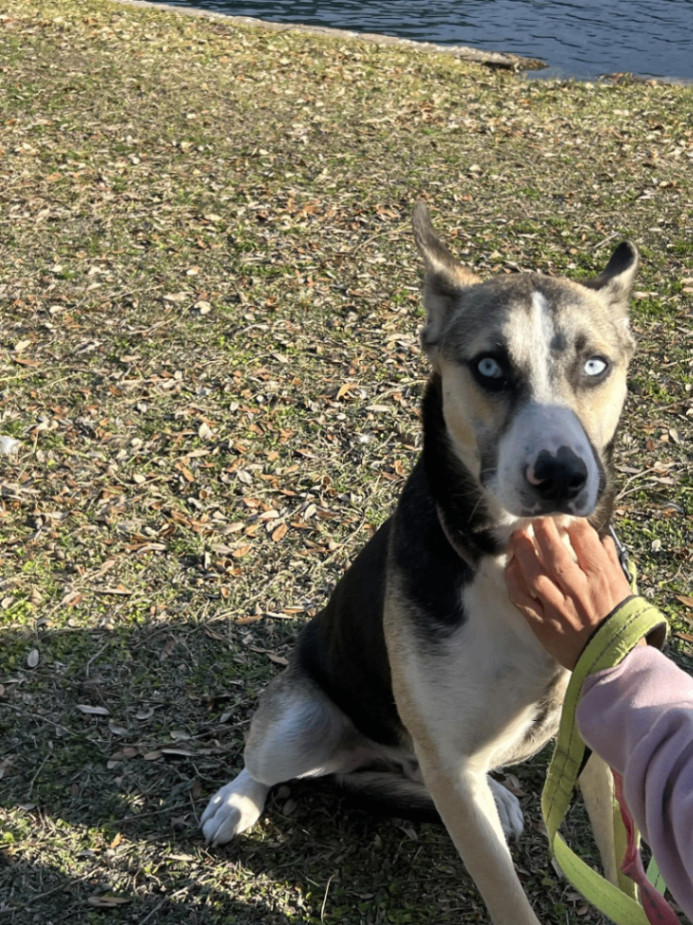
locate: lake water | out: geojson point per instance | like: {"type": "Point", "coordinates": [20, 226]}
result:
{"type": "Point", "coordinates": [581, 39]}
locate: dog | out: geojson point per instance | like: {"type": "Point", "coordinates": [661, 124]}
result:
{"type": "Point", "coordinates": [419, 677]}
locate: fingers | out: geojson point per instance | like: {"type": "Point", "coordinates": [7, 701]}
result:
{"type": "Point", "coordinates": [611, 551]}
{"type": "Point", "coordinates": [587, 558]}
{"type": "Point", "coordinates": [598, 557]}
{"type": "Point", "coordinates": [588, 571]}
{"type": "Point", "coordinates": [519, 592]}
{"type": "Point", "coordinates": [587, 545]}
{"type": "Point", "coordinates": [531, 574]}
{"type": "Point", "coordinates": [525, 553]}
{"type": "Point", "coordinates": [563, 592]}
{"type": "Point", "coordinates": [558, 559]}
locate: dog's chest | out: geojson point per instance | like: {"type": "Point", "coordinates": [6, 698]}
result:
{"type": "Point", "coordinates": [495, 629]}
{"type": "Point", "coordinates": [500, 685]}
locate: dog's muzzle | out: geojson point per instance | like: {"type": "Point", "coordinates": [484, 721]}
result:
{"type": "Point", "coordinates": [546, 465]}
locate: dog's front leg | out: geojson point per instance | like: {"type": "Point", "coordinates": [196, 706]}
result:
{"type": "Point", "coordinates": [465, 802]}
{"type": "Point", "coordinates": [597, 786]}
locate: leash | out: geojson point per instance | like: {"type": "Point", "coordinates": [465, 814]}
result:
{"type": "Point", "coordinates": [607, 648]}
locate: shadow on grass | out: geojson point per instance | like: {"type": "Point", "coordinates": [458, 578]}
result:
{"type": "Point", "coordinates": [111, 745]}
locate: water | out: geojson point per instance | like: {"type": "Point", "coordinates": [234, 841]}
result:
{"type": "Point", "coordinates": [580, 38]}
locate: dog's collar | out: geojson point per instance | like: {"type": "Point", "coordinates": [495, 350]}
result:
{"type": "Point", "coordinates": [463, 554]}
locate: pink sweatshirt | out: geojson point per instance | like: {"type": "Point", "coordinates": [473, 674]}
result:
{"type": "Point", "coordinates": [639, 717]}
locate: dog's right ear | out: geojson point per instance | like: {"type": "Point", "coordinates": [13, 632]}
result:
{"type": "Point", "coordinates": [444, 278]}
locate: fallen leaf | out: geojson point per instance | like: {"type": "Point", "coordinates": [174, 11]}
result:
{"type": "Point", "coordinates": [118, 590]}
{"type": "Point", "coordinates": [107, 900]}
{"type": "Point", "coordinates": [184, 752]}
{"type": "Point", "coordinates": [186, 473]}
{"type": "Point", "coordinates": [345, 389]}
{"type": "Point", "coordinates": [277, 659]}
{"type": "Point", "coordinates": [92, 711]}
{"type": "Point", "coordinates": [71, 599]}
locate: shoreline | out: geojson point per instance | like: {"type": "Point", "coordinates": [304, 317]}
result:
{"type": "Point", "coordinates": [507, 61]}
{"type": "Point", "coordinates": [493, 59]}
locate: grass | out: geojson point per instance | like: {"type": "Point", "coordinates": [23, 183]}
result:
{"type": "Point", "coordinates": [209, 354]}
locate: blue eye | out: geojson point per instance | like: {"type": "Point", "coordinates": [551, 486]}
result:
{"type": "Point", "coordinates": [489, 368]}
{"type": "Point", "coordinates": [595, 366]}
{"type": "Point", "coordinates": [490, 372]}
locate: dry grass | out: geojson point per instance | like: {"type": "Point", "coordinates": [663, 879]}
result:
{"type": "Point", "coordinates": [209, 354]}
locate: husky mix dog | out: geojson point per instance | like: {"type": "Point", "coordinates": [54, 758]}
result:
{"type": "Point", "coordinates": [419, 677]}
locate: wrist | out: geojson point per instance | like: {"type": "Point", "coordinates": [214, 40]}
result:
{"type": "Point", "coordinates": [617, 634]}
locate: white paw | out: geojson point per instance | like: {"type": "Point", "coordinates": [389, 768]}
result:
{"type": "Point", "coordinates": [233, 809]}
{"type": "Point", "coordinates": [509, 810]}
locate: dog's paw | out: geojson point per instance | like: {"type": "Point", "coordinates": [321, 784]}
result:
{"type": "Point", "coordinates": [233, 809]}
{"type": "Point", "coordinates": [509, 810]}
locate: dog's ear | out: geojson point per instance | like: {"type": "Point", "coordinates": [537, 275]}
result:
{"type": "Point", "coordinates": [616, 279]}
{"type": "Point", "coordinates": [444, 278]}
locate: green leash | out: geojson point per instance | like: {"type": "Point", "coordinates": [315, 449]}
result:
{"type": "Point", "coordinates": [613, 640]}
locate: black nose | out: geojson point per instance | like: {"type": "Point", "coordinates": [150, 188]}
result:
{"type": "Point", "coordinates": [558, 477]}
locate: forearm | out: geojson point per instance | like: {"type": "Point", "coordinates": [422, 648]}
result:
{"type": "Point", "coordinates": [639, 717]}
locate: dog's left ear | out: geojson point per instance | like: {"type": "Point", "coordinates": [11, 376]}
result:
{"type": "Point", "coordinates": [444, 278]}
{"type": "Point", "coordinates": [616, 279]}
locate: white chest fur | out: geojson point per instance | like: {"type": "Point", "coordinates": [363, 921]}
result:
{"type": "Point", "coordinates": [490, 689]}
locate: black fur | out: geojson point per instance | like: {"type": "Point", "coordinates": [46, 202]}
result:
{"type": "Point", "coordinates": [343, 647]}
{"type": "Point", "coordinates": [451, 486]}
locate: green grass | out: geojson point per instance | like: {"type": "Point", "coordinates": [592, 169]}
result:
{"type": "Point", "coordinates": [209, 331]}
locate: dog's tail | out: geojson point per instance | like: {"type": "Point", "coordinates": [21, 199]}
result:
{"type": "Point", "coordinates": [388, 793]}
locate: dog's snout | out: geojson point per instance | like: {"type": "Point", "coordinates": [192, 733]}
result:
{"type": "Point", "coordinates": [559, 476]}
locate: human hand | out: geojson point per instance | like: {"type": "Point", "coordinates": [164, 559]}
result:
{"type": "Point", "coordinates": [562, 599]}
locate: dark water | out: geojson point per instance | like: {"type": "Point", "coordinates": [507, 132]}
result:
{"type": "Point", "coordinates": [582, 38]}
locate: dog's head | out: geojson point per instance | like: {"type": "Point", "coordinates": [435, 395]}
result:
{"type": "Point", "coordinates": [533, 375]}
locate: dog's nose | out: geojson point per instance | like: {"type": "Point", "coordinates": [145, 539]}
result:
{"type": "Point", "coordinates": [557, 477]}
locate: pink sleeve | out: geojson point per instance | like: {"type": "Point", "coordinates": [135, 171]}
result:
{"type": "Point", "coordinates": [639, 718]}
